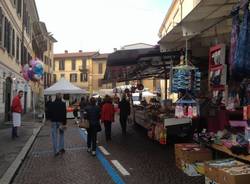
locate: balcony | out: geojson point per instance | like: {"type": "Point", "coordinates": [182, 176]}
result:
{"type": "Point", "coordinates": [83, 69]}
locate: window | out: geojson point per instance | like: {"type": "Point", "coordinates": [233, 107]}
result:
{"type": "Point", "coordinates": [61, 65]}
{"type": "Point", "coordinates": [100, 68]}
{"type": "Point", "coordinates": [7, 35]}
{"type": "Point", "coordinates": [19, 7]}
{"type": "Point", "coordinates": [54, 78]}
{"type": "Point", "coordinates": [13, 50]}
{"type": "Point", "coordinates": [73, 64]}
{"type": "Point", "coordinates": [17, 49]}
{"type": "Point", "coordinates": [45, 79]}
{"type": "Point", "coordinates": [73, 77]}
{"type": "Point", "coordinates": [54, 66]}
{"type": "Point", "coordinates": [62, 75]}
{"type": "Point", "coordinates": [84, 66]}
{"type": "Point", "coordinates": [84, 77]}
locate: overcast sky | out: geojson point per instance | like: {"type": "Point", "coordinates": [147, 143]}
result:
{"type": "Point", "coordinates": [92, 25]}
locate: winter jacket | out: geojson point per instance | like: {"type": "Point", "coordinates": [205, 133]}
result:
{"type": "Point", "coordinates": [93, 113]}
{"type": "Point", "coordinates": [124, 107]}
{"type": "Point", "coordinates": [16, 105]}
{"type": "Point", "coordinates": [57, 111]}
{"type": "Point", "coordinates": [108, 112]}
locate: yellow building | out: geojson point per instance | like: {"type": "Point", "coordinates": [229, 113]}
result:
{"type": "Point", "coordinates": [48, 58]}
{"type": "Point", "coordinates": [98, 71]}
{"type": "Point", "coordinates": [83, 69]}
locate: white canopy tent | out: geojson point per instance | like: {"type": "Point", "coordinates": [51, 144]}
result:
{"type": "Point", "coordinates": [64, 87]}
{"type": "Point", "coordinates": [145, 94]}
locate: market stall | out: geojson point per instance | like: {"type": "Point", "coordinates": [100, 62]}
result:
{"type": "Point", "coordinates": [226, 108]}
{"type": "Point", "coordinates": [70, 92]}
{"type": "Point", "coordinates": [150, 112]}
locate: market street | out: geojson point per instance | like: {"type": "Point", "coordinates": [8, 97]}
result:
{"type": "Point", "coordinates": [137, 160]}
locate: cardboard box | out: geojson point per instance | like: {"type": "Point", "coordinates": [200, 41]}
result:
{"type": "Point", "coordinates": [195, 169]}
{"type": "Point", "coordinates": [209, 181]}
{"type": "Point", "coordinates": [214, 169]}
{"type": "Point", "coordinates": [179, 160]}
{"type": "Point", "coordinates": [212, 172]}
{"type": "Point", "coordinates": [197, 155]}
{"type": "Point", "coordinates": [191, 153]}
{"type": "Point", "coordinates": [235, 175]}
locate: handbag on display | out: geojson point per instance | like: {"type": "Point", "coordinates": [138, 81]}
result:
{"type": "Point", "coordinates": [84, 124]}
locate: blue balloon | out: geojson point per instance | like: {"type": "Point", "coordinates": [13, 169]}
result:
{"type": "Point", "coordinates": [38, 69]}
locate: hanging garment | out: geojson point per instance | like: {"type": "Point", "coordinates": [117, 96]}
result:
{"type": "Point", "coordinates": [234, 39]}
{"type": "Point", "coordinates": [242, 55]}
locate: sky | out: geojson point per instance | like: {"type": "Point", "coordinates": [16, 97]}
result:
{"type": "Point", "coordinates": [102, 25]}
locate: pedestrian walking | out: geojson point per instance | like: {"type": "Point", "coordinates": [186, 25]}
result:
{"type": "Point", "coordinates": [16, 109]}
{"type": "Point", "coordinates": [107, 116]}
{"type": "Point", "coordinates": [83, 105]}
{"type": "Point", "coordinates": [93, 113]}
{"type": "Point", "coordinates": [57, 114]}
{"type": "Point", "coordinates": [75, 113]}
{"type": "Point", "coordinates": [47, 104]}
{"type": "Point", "coordinates": [124, 107]}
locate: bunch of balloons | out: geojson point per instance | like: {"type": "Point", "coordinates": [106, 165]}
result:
{"type": "Point", "coordinates": [33, 71]}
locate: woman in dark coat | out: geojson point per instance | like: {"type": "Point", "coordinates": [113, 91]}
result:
{"type": "Point", "coordinates": [124, 107]}
{"type": "Point", "coordinates": [93, 116]}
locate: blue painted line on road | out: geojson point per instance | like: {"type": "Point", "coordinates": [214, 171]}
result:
{"type": "Point", "coordinates": [107, 166]}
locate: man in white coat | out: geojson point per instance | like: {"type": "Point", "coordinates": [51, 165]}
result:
{"type": "Point", "coordinates": [16, 108]}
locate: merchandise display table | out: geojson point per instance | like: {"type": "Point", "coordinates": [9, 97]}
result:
{"type": "Point", "coordinates": [176, 121]}
{"type": "Point", "coordinates": [229, 152]}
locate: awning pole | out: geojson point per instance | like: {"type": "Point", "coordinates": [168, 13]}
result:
{"type": "Point", "coordinates": [186, 54]}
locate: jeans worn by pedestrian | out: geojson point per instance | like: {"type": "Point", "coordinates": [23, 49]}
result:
{"type": "Point", "coordinates": [107, 125]}
{"type": "Point", "coordinates": [91, 139]}
{"type": "Point", "coordinates": [123, 122]}
{"type": "Point", "coordinates": [14, 132]}
{"type": "Point", "coordinates": [54, 132]}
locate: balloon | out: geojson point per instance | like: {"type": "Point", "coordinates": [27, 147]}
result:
{"type": "Point", "coordinates": [33, 62]}
{"type": "Point", "coordinates": [30, 74]}
{"type": "Point", "coordinates": [26, 67]}
{"type": "Point", "coordinates": [25, 72]}
{"type": "Point", "coordinates": [37, 77]}
{"type": "Point", "coordinates": [38, 69]}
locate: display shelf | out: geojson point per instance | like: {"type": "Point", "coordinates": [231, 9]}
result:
{"type": "Point", "coordinates": [141, 119]}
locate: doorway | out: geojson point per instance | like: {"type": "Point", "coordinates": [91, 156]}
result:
{"type": "Point", "coordinates": [25, 103]}
{"type": "Point", "coordinates": [8, 86]}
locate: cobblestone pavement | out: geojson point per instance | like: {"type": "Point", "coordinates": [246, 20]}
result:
{"type": "Point", "coordinates": [146, 161]}
{"type": "Point", "coordinates": [76, 166]}
{"type": "Point", "coordinates": [9, 148]}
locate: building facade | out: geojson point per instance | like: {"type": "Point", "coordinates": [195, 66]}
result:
{"type": "Point", "coordinates": [98, 70]}
{"type": "Point", "coordinates": [83, 69]}
{"type": "Point", "coordinates": [20, 41]}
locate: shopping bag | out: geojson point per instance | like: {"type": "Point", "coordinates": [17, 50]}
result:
{"type": "Point", "coordinates": [84, 124]}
